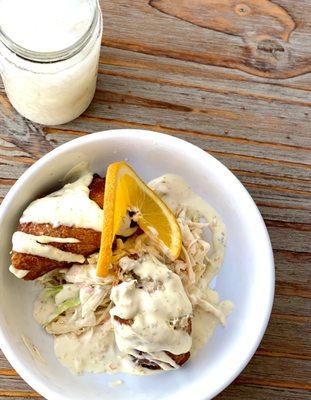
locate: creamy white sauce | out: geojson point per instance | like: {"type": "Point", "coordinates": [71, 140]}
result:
{"type": "Point", "coordinates": [204, 324]}
{"type": "Point", "coordinates": [43, 239]}
{"type": "Point", "coordinates": [92, 351]}
{"type": "Point", "coordinates": [86, 274]}
{"type": "Point", "coordinates": [152, 308]}
{"type": "Point", "coordinates": [43, 308]}
{"type": "Point", "coordinates": [35, 245]}
{"type": "Point", "coordinates": [69, 206]}
{"type": "Point", "coordinates": [68, 292]}
{"type": "Point", "coordinates": [19, 273]}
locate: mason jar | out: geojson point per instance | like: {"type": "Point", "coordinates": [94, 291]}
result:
{"type": "Point", "coordinates": [49, 52]}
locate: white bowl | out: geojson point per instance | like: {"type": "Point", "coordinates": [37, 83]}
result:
{"type": "Point", "coordinates": [247, 276]}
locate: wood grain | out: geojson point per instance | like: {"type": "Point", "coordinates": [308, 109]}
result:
{"type": "Point", "coordinates": [261, 37]}
{"type": "Point", "coordinates": [231, 77]}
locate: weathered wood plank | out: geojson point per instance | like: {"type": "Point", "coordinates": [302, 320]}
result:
{"type": "Point", "coordinates": [12, 382]}
{"type": "Point", "coordinates": [18, 395]}
{"type": "Point", "coordinates": [228, 114]}
{"type": "Point", "coordinates": [287, 336]}
{"type": "Point", "coordinates": [292, 376]}
{"type": "Point", "coordinates": [292, 273]}
{"type": "Point", "coordinates": [119, 61]}
{"type": "Point", "coordinates": [201, 112]}
{"type": "Point", "coordinates": [250, 392]}
{"type": "Point", "coordinates": [289, 239]}
{"type": "Point", "coordinates": [133, 65]}
{"type": "Point", "coordinates": [4, 364]}
{"type": "Point", "coordinates": [292, 305]}
{"type": "Point", "coordinates": [276, 46]}
{"type": "Point", "coordinates": [25, 135]}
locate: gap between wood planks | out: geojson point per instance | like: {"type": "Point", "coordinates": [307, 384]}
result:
{"type": "Point", "coordinates": [7, 181]}
{"type": "Point", "coordinates": [296, 226]}
{"type": "Point", "coordinates": [265, 175]}
{"type": "Point", "coordinates": [102, 96]}
{"type": "Point", "coordinates": [265, 353]}
{"type": "Point", "coordinates": [21, 159]}
{"type": "Point", "coordinates": [272, 383]}
{"type": "Point", "coordinates": [191, 57]}
{"type": "Point", "coordinates": [221, 138]}
{"type": "Point", "coordinates": [288, 289]}
{"type": "Point", "coordinates": [6, 148]}
{"type": "Point", "coordinates": [179, 66]}
{"type": "Point", "coordinates": [268, 204]}
{"type": "Point", "coordinates": [18, 394]}
{"type": "Point", "coordinates": [182, 84]}
{"type": "Point", "coordinates": [180, 132]}
{"type": "Point", "coordinates": [277, 188]}
{"type": "Point", "coordinates": [288, 317]}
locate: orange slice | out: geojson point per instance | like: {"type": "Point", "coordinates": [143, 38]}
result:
{"type": "Point", "coordinates": [125, 191]}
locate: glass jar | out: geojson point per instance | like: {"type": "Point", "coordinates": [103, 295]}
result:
{"type": "Point", "coordinates": [49, 63]}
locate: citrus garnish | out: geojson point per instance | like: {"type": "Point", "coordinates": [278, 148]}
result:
{"type": "Point", "coordinates": [125, 191]}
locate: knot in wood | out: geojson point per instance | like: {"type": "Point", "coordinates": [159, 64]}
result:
{"type": "Point", "coordinates": [242, 9]}
{"type": "Point", "coordinates": [270, 46]}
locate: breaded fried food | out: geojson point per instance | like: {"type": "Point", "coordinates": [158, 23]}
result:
{"type": "Point", "coordinates": [97, 188]}
{"type": "Point", "coordinates": [37, 266]}
{"type": "Point", "coordinates": [179, 359]}
{"type": "Point", "coordinates": [141, 358]}
{"type": "Point", "coordinates": [89, 242]}
{"type": "Point", "coordinates": [88, 239]}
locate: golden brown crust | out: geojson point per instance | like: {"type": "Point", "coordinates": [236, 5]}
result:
{"type": "Point", "coordinates": [89, 239]}
{"type": "Point", "coordinates": [123, 321]}
{"type": "Point", "coordinates": [179, 359]}
{"type": "Point", "coordinates": [97, 189]}
{"type": "Point", "coordinates": [37, 266]}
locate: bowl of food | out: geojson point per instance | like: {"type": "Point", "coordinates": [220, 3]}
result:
{"type": "Point", "coordinates": [132, 264]}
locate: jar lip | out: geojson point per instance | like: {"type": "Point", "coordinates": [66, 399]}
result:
{"type": "Point", "coordinates": [53, 56]}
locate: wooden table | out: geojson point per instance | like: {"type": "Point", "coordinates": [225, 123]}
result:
{"type": "Point", "coordinates": [230, 77]}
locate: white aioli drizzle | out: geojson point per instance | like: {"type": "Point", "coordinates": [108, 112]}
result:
{"type": "Point", "coordinates": [36, 246]}
{"type": "Point", "coordinates": [69, 206]}
{"type": "Point", "coordinates": [19, 273]}
{"type": "Point", "coordinates": [152, 309]}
